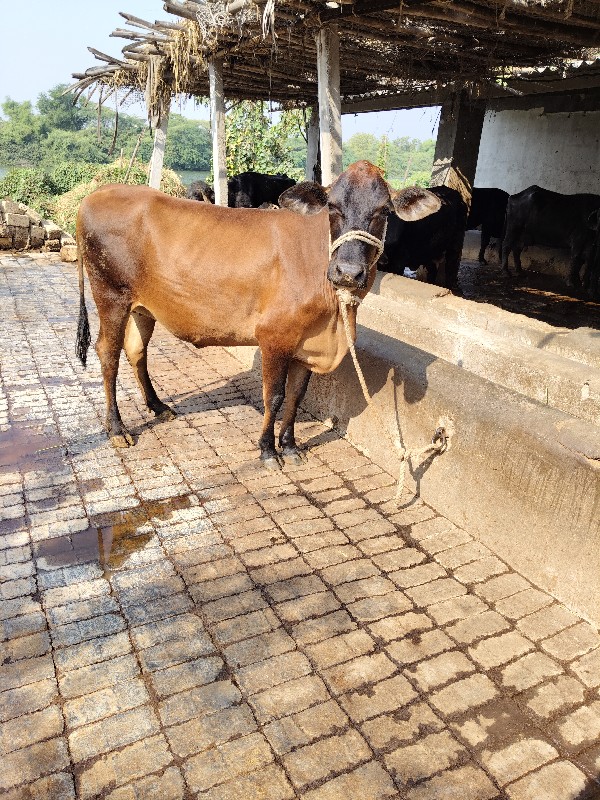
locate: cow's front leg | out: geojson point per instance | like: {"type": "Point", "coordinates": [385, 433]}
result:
{"type": "Point", "coordinates": [297, 383]}
{"type": "Point", "coordinates": [274, 372]}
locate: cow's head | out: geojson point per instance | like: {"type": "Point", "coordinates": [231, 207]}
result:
{"type": "Point", "coordinates": [358, 202]}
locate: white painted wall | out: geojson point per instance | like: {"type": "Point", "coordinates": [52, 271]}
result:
{"type": "Point", "coordinates": [559, 151]}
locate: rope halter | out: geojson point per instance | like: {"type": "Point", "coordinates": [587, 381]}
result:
{"type": "Point", "coordinates": [361, 236]}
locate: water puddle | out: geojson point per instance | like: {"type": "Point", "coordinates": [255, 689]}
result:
{"type": "Point", "coordinates": [22, 447]}
{"type": "Point", "coordinates": [111, 543]}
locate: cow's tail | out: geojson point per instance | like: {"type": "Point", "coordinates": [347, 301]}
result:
{"type": "Point", "coordinates": [83, 340]}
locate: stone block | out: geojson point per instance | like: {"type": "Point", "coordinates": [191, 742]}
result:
{"type": "Point", "coordinates": [18, 220]}
{"type": "Point", "coordinates": [68, 253]}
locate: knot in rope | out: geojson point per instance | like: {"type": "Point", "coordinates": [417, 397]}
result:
{"type": "Point", "coordinates": [361, 236]}
{"type": "Point", "coordinates": [441, 438]}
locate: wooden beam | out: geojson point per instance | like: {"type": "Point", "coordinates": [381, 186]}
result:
{"type": "Point", "coordinates": [217, 126]}
{"type": "Point", "coordinates": [330, 114]}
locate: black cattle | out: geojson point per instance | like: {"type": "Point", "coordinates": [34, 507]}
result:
{"type": "Point", "coordinates": [200, 190]}
{"type": "Point", "coordinates": [431, 242]}
{"type": "Point", "coordinates": [538, 216]}
{"type": "Point", "coordinates": [591, 280]}
{"type": "Point", "coordinates": [488, 210]}
{"type": "Point", "coordinates": [252, 189]}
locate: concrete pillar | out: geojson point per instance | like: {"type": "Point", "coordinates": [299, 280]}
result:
{"type": "Point", "coordinates": [457, 145]}
{"type": "Point", "coordinates": [217, 127]}
{"type": "Point", "coordinates": [330, 109]}
{"type": "Point", "coordinates": [313, 151]}
{"type": "Point", "coordinates": [158, 152]}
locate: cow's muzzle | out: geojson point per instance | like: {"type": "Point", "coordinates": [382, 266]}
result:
{"type": "Point", "coordinates": [351, 275]}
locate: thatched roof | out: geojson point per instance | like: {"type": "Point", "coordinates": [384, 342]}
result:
{"type": "Point", "coordinates": [392, 55]}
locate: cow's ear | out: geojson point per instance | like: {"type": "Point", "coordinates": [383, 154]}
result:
{"type": "Point", "coordinates": [415, 203]}
{"type": "Point", "coordinates": [306, 197]}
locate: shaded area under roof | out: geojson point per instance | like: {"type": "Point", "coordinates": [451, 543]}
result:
{"type": "Point", "coordinates": [391, 55]}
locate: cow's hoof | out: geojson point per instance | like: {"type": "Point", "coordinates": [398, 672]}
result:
{"type": "Point", "coordinates": [121, 440]}
{"type": "Point", "coordinates": [294, 457]}
{"type": "Point", "coordinates": [166, 414]}
{"type": "Point", "coordinates": [272, 463]}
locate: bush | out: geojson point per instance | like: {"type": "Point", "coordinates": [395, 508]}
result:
{"type": "Point", "coordinates": [30, 186]}
{"type": "Point", "coordinates": [67, 175]}
{"type": "Point", "coordinates": [64, 208]}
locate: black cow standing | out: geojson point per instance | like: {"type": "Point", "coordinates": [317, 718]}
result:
{"type": "Point", "coordinates": [538, 216]}
{"type": "Point", "coordinates": [252, 189]}
{"type": "Point", "coordinates": [488, 210]}
{"type": "Point", "coordinates": [433, 242]}
{"type": "Point", "coordinates": [201, 190]}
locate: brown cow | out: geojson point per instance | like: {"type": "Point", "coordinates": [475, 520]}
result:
{"type": "Point", "coordinates": [222, 276]}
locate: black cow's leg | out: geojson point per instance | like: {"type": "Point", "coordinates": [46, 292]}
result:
{"type": "Point", "coordinates": [113, 314]}
{"type": "Point", "coordinates": [297, 383]}
{"type": "Point", "coordinates": [274, 373]}
{"type": "Point", "coordinates": [137, 335]}
{"type": "Point", "coordinates": [485, 240]}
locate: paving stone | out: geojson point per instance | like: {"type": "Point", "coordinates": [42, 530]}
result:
{"type": "Point", "coordinates": [523, 603]}
{"type": "Point", "coordinates": [435, 592]}
{"type": "Point", "coordinates": [580, 728]}
{"type": "Point", "coordinates": [53, 787]}
{"type": "Point", "coordinates": [19, 733]}
{"type": "Point", "coordinates": [463, 607]}
{"type": "Point", "coordinates": [396, 627]}
{"type": "Point", "coordinates": [556, 695]}
{"type": "Point", "coordinates": [387, 695]}
{"type": "Point", "coordinates": [198, 701]}
{"type": "Point", "coordinates": [440, 669]}
{"type": "Point", "coordinates": [114, 732]}
{"type": "Point", "coordinates": [358, 673]}
{"type": "Point", "coordinates": [529, 671]}
{"type": "Point", "coordinates": [369, 782]}
{"type": "Point", "coordinates": [468, 783]}
{"type": "Point", "coordinates": [497, 650]}
{"type": "Point", "coordinates": [331, 755]}
{"type": "Point", "coordinates": [289, 698]}
{"type": "Point", "coordinates": [115, 769]}
{"type": "Point", "coordinates": [468, 693]}
{"type": "Point", "coordinates": [315, 630]}
{"type": "Point", "coordinates": [227, 761]}
{"type": "Point", "coordinates": [268, 782]}
{"type": "Point", "coordinates": [572, 642]}
{"type": "Point", "coordinates": [24, 766]}
{"type": "Point", "coordinates": [404, 725]}
{"type": "Point", "coordinates": [469, 630]}
{"type": "Point", "coordinates": [168, 786]}
{"type": "Point", "coordinates": [206, 732]}
{"type": "Point", "coordinates": [558, 781]}
{"type": "Point", "coordinates": [412, 763]}
{"type": "Point", "coordinates": [546, 622]}
{"type": "Point", "coordinates": [299, 729]}
{"type": "Point", "coordinates": [418, 646]}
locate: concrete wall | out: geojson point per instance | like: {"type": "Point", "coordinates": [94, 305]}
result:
{"type": "Point", "coordinates": [559, 151]}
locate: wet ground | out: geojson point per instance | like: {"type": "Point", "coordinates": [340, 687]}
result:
{"type": "Point", "coordinates": [543, 297]}
{"type": "Point", "coordinates": [178, 623]}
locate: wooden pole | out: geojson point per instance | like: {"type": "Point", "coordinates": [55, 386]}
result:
{"type": "Point", "coordinates": [330, 115]}
{"type": "Point", "coordinates": [158, 152]}
{"type": "Point", "coordinates": [217, 127]}
{"type": "Point", "coordinates": [313, 155]}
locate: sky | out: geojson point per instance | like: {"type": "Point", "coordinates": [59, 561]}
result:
{"type": "Point", "coordinates": [43, 43]}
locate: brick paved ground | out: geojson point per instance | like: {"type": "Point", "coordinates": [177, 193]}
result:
{"type": "Point", "coordinates": [176, 622]}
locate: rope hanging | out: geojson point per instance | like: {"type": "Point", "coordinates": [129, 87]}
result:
{"type": "Point", "coordinates": [440, 442]}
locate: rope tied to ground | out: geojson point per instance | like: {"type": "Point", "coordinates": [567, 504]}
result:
{"type": "Point", "coordinates": [440, 442]}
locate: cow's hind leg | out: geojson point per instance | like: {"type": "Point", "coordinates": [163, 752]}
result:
{"type": "Point", "coordinates": [137, 335]}
{"type": "Point", "coordinates": [297, 383]}
{"type": "Point", "coordinates": [113, 312]}
{"type": "Point", "coordinates": [274, 372]}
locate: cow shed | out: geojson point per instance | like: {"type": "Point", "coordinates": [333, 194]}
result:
{"type": "Point", "coordinates": [522, 472]}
